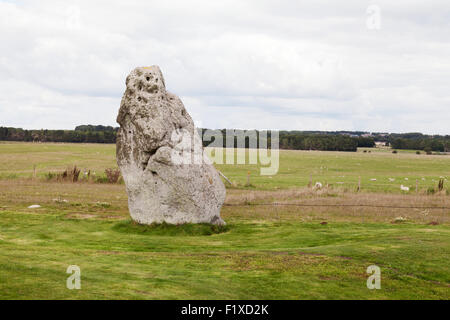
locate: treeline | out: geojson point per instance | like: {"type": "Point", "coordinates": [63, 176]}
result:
{"type": "Point", "coordinates": [89, 134]}
{"type": "Point", "coordinates": [294, 140]}
{"type": "Point", "coordinates": [419, 141]}
{"type": "Point", "coordinates": [323, 142]}
{"type": "Point", "coordinates": [97, 128]}
{"type": "Point", "coordinates": [288, 140]}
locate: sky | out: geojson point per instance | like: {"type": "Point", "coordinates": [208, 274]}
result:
{"type": "Point", "coordinates": [377, 66]}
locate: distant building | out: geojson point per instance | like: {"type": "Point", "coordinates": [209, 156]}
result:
{"type": "Point", "coordinates": [380, 144]}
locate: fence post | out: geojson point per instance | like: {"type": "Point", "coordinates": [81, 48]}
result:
{"type": "Point", "coordinates": [248, 179]}
{"type": "Point", "coordinates": [417, 185]}
{"type": "Point", "coordinates": [441, 185]}
{"type": "Point", "coordinates": [359, 184]}
{"type": "Point", "coordinates": [34, 171]}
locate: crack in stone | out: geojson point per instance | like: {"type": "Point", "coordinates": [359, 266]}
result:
{"type": "Point", "coordinates": [149, 155]}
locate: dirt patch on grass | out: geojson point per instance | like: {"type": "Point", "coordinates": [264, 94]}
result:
{"type": "Point", "coordinates": [109, 252]}
{"type": "Point", "coordinates": [328, 278]}
{"type": "Point", "coordinates": [345, 258]}
{"type": "Point", "coordinates": [81, 216]}
{"type": "Point", "coordinates": [309, 253]}
{"type": "Point", "coordinates": [277, 253]}
{"type": "Point", "coordinates": [113, 217]}
{"type": "Point", "coordinates": [144, 293]}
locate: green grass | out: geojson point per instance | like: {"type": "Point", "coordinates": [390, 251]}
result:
{"type": "Point", "coordinates": [260, 260]}
{"type": "Point", "coordinates": [264, 252]}
{"type": "Point", "coordinates": [18, 159]}
{"type": "Point", "coordinates": [340, 169]}
{"type": "Point", "coordinates": [343, 169]}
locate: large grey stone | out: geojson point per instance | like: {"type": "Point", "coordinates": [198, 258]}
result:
{"type": "Point", "coordinates": [167, 176]}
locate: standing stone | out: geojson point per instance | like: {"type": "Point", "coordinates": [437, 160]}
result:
{"type": "Point", "coordinates": [159, 152]}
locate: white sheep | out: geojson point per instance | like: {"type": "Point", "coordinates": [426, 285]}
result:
{"type": "Point", "coordinates": [318, 185]}
{"type": "Point", "coordinates": [391, 179]}
{"type": "Point", "coordinates": [403, 188]}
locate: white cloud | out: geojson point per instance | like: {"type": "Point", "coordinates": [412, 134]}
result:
{"type": "Point", "coordinates": [309, 65]}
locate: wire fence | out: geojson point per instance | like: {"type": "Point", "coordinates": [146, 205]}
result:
{"type": "Point", "coordinates": [332, 205]}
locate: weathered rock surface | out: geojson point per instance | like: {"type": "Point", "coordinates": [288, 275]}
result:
{"type": "Point", "coordinates": [159, 152]}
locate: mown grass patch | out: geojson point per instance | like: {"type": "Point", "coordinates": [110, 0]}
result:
{"type": "Point", "coordinates": [253, 260]}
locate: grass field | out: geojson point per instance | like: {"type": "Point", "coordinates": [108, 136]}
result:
{"type": "Point", "coordinates": [285, 251]}
{"type": "Point", "coordinates": [337, 168]}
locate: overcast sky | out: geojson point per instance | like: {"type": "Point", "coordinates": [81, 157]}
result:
{"type": "Point", "coordinates": [295, 65]}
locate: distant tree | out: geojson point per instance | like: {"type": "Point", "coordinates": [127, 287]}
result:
{"type": "Point", "coordinates": [296, 140]}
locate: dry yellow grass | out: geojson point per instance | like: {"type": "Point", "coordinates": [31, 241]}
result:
{"type": "Point", "coordinates": [109, 201]}
{"type": "Point", "coordinates": [336, 205]}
